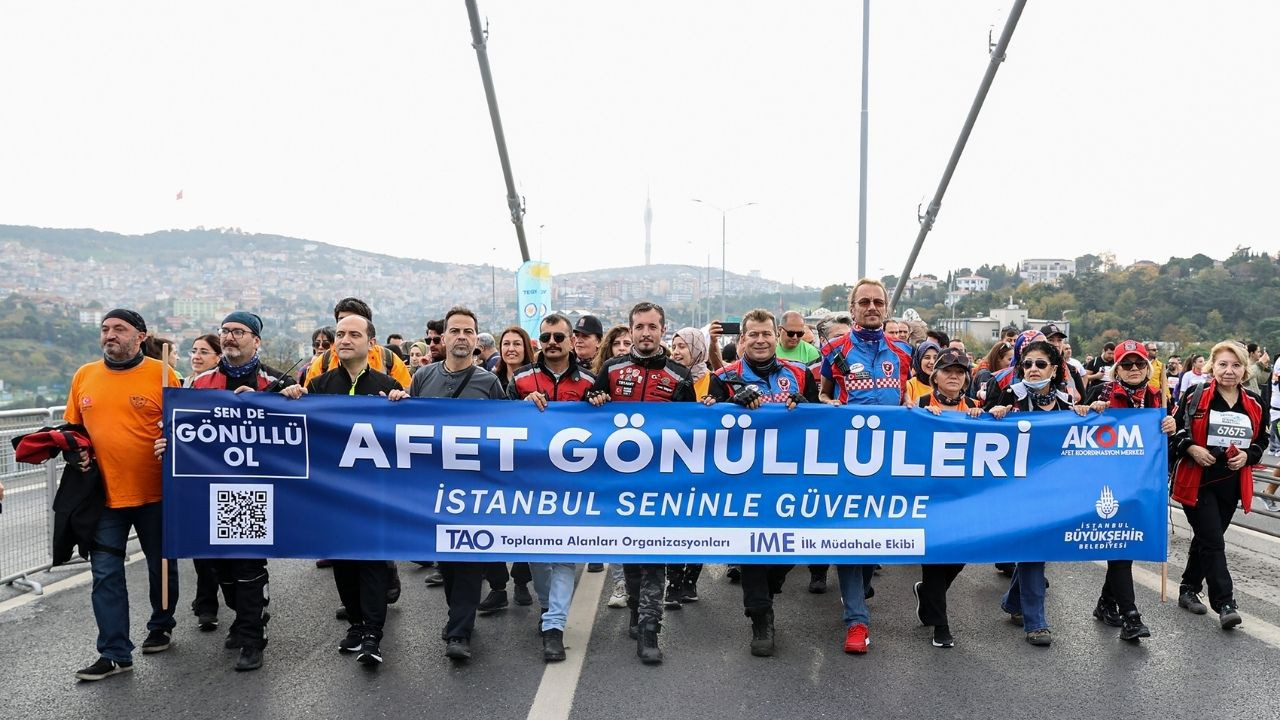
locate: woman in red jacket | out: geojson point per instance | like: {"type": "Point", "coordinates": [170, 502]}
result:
{"type": "Point", "coordinates": [1220, 437]}
{"type": "Point", "coordinates": [1130, 389]}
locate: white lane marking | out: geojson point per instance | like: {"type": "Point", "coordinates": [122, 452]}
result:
{"type": "Point", "coordinates": [1252, 626]}
{"type": "Point", "coordinates": [554, 698]}
{"type": "Point", "coordinates": [67, 583]}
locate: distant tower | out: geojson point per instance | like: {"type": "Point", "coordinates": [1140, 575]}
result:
{"type": "Point", "coordinates": [648, 227]}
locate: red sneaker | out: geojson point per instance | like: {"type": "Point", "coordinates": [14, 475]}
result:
{"type": "Point", "coordinates": [857, 641]}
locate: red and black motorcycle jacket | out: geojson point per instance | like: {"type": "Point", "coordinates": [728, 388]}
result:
{"type": "Point", "coordinates": [630, 378]}
{"type": "Point", "coordinates": [535, 377]}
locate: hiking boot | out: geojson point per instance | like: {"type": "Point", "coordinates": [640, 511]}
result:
{"type": "Point", "coordinates": [856, 639]}
{"type": "Point", "coordinates": [762, 633]}
{"type": "Point", "coordinates": [1107, 613]}
{"type": "Point", "coordinates": [1228, 617]}
{"type": "Point", "coordinates": [1040, 638]}
{"type": "Point", "coordinates": [521, 595]}
{"type": "Point", "coordinates": [1190, 600]}
{"type": "Point", "coordinates": [458, 648]}
{"type": "Point", "coordinates": [157, 641]}
{"type": "Point", "coordinates": [647, 643]}
{"type": "Point", "coordinates": [672, 601]}
{"type": "Point", "coordinates": [619, 597]}
{"type": "Point", "coordinates": [434, 577]}
{"type": "Point", "coordinates": [1132, 627]}
{"type": "Point", "coordinates": [207, 622]}
{"type": "Point", "coordinates": [818, 585]}
{"type": "Point", "coordinates": [495, 600]}
{"type": "Point", "coordinates": [553, 645]}
{"type": "Point", "coordinates": [633, 624]}
{"type": "Point", "coordinates": [250, 659]}
{"type": "Point", "coordinates": [103, 668]}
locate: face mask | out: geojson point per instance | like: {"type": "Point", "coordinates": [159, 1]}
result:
{"type": "Point", "coordinates": [1036, 384]}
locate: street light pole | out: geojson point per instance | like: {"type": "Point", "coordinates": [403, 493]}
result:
{"type": "Point", "coordinates": [724, 247]}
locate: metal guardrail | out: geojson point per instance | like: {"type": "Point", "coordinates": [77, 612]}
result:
{"type": "Point", "coordinates": [26, 526]}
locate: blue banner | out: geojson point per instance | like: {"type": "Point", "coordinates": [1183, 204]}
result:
{"type": "Point", "coordinates": [258, 475]}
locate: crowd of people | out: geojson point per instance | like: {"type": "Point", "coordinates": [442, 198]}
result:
{"type": "Point", "coordinates": [859, 357]}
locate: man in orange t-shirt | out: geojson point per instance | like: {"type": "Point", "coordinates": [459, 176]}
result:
{"type": "Point", "coordinates": [118, 401]}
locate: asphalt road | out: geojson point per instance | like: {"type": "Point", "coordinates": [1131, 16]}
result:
{"type": "Point", "coordinates": [1190, 668]}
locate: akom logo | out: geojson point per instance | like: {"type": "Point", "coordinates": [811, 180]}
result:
{"type": "Point", "coordinates": [1103, 437]}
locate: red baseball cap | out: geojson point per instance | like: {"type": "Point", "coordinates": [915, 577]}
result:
{"type": "Point", "coordinates": [1131, 347]}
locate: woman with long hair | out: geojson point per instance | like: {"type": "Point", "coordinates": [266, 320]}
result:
{"type": "Point", "coordinates": [616, 342]}
{"type": "Point", "coordinates": [205, 351]}
{"type": "Point", "coordinates": [516, 350]}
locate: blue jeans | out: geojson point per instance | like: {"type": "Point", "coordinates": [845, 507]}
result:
{"type": "Point", "coordinates": [853, 592]}
{"type": "Point", "coordinates": [110, 596]}
{"type": "Point", "coordinates": [554, 584]}
{"type": "Point", "coordinates": [1026, 596]}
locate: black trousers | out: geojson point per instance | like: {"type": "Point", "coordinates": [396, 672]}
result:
{"type": "Point", "coordinates": [463, 582]}
{"type": "Point", "coordinates": [935, 581]}
{"type": "Point", "coordinates": [244, 587]}
{"type": "Point", "coordinates": [760, 583]}
{"type": "Point", "coordinates": [206, 601]}
{"type": "Point", "coordinates": [680, 575]}
{"type": "Point", "coordinates": [818, 572]}
{"type": "Point", "coordinates": [1118, 588]}
{"type": "Point", "coordinates": [644, 589]}
{"type": "Point", "coordinates": [362, 586]}
{"type": "Point", "coordinates": [1209, 520]}
{"type": "Point", "coordinates": [497, 575]}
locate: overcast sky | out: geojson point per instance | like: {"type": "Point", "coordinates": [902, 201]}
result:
{"type": "Point", "coordinates": [1145, 128]}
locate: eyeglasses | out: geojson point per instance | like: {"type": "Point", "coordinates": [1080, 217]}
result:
{"type": "Point", "coordinates": [1134, 365]}
{"type": "Point", "coordinates": [552, 337]}
{"type": "Point", "coordinates": [434, 340]}
{"type": "Point", "coordinates": [236, 333]}
{"type": "Point", "coordinates": [868, 302]}
{"type": "Point", "coordinates": [1041, 364]}
{"type": "Point", "coordinates": [794, 333]}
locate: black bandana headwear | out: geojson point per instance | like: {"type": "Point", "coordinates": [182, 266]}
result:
{"type": "Point", "coordinates": [128, 316]}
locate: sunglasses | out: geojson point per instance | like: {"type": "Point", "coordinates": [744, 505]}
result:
{"type": "Point", "coordinates": [868, 302]}
{"type": "Point", "coordinates": [1041, 364]}
{"type": "Point", "coordinates": [434, 340]}
{"type": "Point", "coordinates": [547, 337]}
{"type": "Point", "coordinates": [1133, 365]}
{"type": "Point", "coordinates": [794, 333]}
{"type": "Point", "coordinates": [320, 346]}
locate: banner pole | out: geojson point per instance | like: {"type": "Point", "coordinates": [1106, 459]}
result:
{"type": "Point", "coordinates": [164, 562]}
{"type": "Point", "coordinates": [1164, 581]}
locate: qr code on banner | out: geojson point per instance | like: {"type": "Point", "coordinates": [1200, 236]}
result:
{"type": "Point", "coordinates": [241, 514]}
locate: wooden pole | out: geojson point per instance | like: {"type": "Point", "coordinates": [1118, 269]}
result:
{"type": "Point", "coordinates": [1164, 581]}
{"type": "Point", "coordinates": [164, 562]}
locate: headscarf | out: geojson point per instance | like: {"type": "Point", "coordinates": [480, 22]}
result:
{"type": "Point", "coordinates": [918, 357]}
{"type": "Point", "coordinates": [697, 343]}
{"type": "Point", "coordinates": [1019, 342]}
{"type": "Point", "coordinates": [422, 347]}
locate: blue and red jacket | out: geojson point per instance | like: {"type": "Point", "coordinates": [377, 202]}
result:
{"type": "Point", "coordinates": [780, 382]}
{"type": "Point", "coordinates": [867, 372]}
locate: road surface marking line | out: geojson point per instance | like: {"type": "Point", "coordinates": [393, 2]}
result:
{"type": "Point", "coordinates": [554, 698]}
{"type": "Point", "coordinates": [1253, 626]}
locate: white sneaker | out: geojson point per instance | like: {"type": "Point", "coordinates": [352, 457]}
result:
{"type": "Point", "coordinates": [1270, 504]}
{"type": "Point", "coordinates": [619, 597]}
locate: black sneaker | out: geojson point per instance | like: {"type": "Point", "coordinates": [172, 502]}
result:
{"type": "Point", "coordinates": [672, 601]}
{"type": "Point", "coordinates": [341, 613]}
{"type": "Point", "coordinates": [734, 573]}
{"type": "Point", "coordinates": [1132, 627]}
{"type": "Point", "coordinates": [915, 590]}
{"type": "Point", "coordinates": [1005, 569]}
{"type": "Point", "coordinates": [157, 641]}
{"type": "Point", "coordinates": [434, 577]}
{"type": "Point", "coordinates": [521, 595]}
{"type": "Point", "coordinates": [250, 659]}
{"type": "Point", "coordinates": [595, 567]}
{"type": "Point", "coordinates": [495, 600]}
{"type": "Point", "coordinates": [818, 585]}
{"type": "Point", "coordinates": [352, 641]}
{"type": "Point", "coordinates": [103, 668]}
{"type": "Point", "coordinates": [942, 637]}
{"type": "Point", "coordinates": [689, 592]}
{"type": "Point", "coordinates": [207, 622]}
{"type": "Point", "coordinates": [553, 645]}
{"type": "Point", "coordinates": [1190, 600]}
{"type": "Point", "coordinates": [370, 653]}
{"type": "Point", "coordinates": [868, 592]}
{"type": "Point", "coordinates": [1107, 613]}
{"type": "Point", "coordinates": [1228, 616]}
{"type": "Point", "coordinates": [458, 648]}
